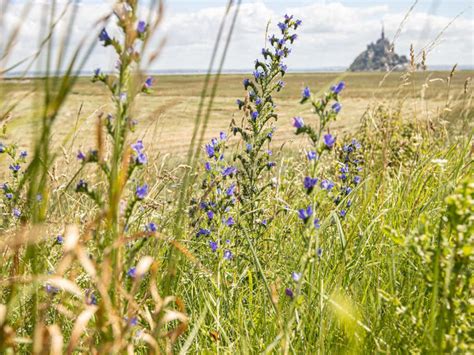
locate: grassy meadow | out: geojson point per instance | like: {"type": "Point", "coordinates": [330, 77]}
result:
{"type": "Point", "coordinates": [332, 213]}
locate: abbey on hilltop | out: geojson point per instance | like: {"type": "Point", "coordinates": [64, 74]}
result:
{"type": "Point", "coordinates": [379, 56]}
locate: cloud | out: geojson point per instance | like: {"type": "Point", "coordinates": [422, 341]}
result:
{"type": "Point", "coordinates": [333, 34]}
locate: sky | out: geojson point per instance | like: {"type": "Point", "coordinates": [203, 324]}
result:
{"type": "Point", "coordinates": [332, 35]}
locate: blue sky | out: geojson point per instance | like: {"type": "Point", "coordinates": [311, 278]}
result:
{"type": "Point", "coordinates": [333, 32]}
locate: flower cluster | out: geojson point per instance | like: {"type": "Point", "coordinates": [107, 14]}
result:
{"type": "Point", "coordinates": [214, 210]}
{"type": "Point", "coordinates": [259, 108]}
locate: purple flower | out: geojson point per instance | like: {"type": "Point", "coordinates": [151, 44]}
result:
{"type": "Point", "coordinates": [257, 74]}
{"type": "Point", "coordinates": [283, 27]}
{"type": "Point", "coordinates": [104, 36]}
{"type": "Point", "coordinates": [248, 147]}
{"type": "Point", "coordinates": [16, 212]}
{"type": "Point", "coordinates": [80, 155]}
{"type": "Point", "coordinates": [138, 146]}
{"type": "Point", "coordinates": [342, 213]}
{"type": "Point", "coordinates": [148, 82]}
{"type": "Point", "coordinates": [81, 186]}
{"type": "Point", "coordinates": [305, 214]}
{"type": "Point", "coordinates": [230, 190]}
{"type": "Point", "coordinates": [312, 155]}
{"type": "Point", "coordinates": [15, 167]}
{"type": "Point", "coordinates": [329, 140]}
{"type": "Point", "coordinates": [203, 231]}
{"type": "Point", "coordinates": [9, 195]}
{"type": "Point", "coordinates": [141, 27]}
{"type": "Point", "coordinates": [23, 154]}
{"type": "Point", "coordinates": [296, 276]}
{"type": "Point", "coordinates": [254, 115]}
{"type": "Point", "coordinates": [51, 289]}
{"type": "Point", "coordinates": [316, 223]}
{"type": "Point", "coordinates": [151, 227]}
{"type": "Point", "coordinates": [327, 185]}
{"type": "Point", "coordinates": [213, 245]}
{"type": "Point", "coordinates": [306, 93]}
{"type": "Point", "coordinates": [283, 68]}
{"type": "Point", "coordinates": [228, 255]}
{"type": "Point", "coordinates": [289, 293]}
{"type": "Point", "coordinates": [281, 84]}
{"type": "Point", "coordinates": [298, 122]}
{"type": "Point", "coordinates": [132, 272]}
{"type": "Point", "coordinates": [207, 166]}
{"type": "Point", "coordinates": [229, 171]}
{"type": "Point", "coordinates": [319, 252]}
{"type": "Point", "coordinates": [210, 150]}
{"type": "Point", "coordinates": [309, 183]}
{"type": "Point", "coordinates": [246, 83]}
{"type": "Point", "coordinates": [222, 136]}
{"type": "Point", "coordinates": [210, 214]}
{"type": "Point", "coordinates": [293, 37]}
{"type": "Point", "coordinates": [229, 221]}
{"type": "Point", "coordinates": [59, 239]}
{"type": "Point", "coordinates": [141, 192]}
{"type": "Point", "coordinates": [258, 101]}
{"type": "Point", "coordinates": [97, 72]}
{"type": "Point", "coordinates": [141, 159]}
{"type": "Point", "coordinates": [336, 107]}
{"type": "Point", "coordinates": [336, 89]}
{"type": "Point", "coordinates": [357, 179]}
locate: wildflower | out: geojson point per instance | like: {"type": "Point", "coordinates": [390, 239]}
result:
{"type": "Point", "coordinates": [283, 68]}
{"type": "Point", "coordinates": [327, 185]}
{"type": "Point", "coordinates": [319, 252]}
{"type": "Point", "coordinates": [81, 186]}
{"type": "Point", "coordinates": [296, 276]}
{"type": "Point", "coordinates": [312, 155]}
{"type": "Point", "coordinates": [336, 107]}
{"type": "Point", "coordinates": [283, 27]}
{"type": "Point", "coordinates": [329, 140]}
{"type": "Point", "coordinates": [316, 223]}
{"type": "Point", "coordinates": [222, 136]}
{"type": "Point", "coordinates": [148, 82]}
{"type": "Point", "coordinates": [289, 292]}
{"type": "Point", "coordinates": [9, 195]}
{"type": "Point", "coordinates": [271, 164]}
{"type": "Point", "coordinates": [336, 89]}
{"type": "Point", "coordinates": [230, 190]}
{"type": "Point", "coordinates": [281, 84]}
{"type": "Point", "coordinates": [80, 155]}
{"type": "Point", "coordinates": [51, 289]}
{"type": "Point", "coordinates": [23, 154]}
{"type": "Point", "coordinates": [309, 183]}
{"type": "Point", "coordinates": [248, 147]}
{"type": "Point", "coordinates": [305, 214]}
{"type": "Point", "coordinates": [306, 93]}
{"type": "Point", "coordinates": [298, 122]}
{"type": "Point", "coordinates": [15, 167]}
{"type": "Point", "coordinates": [141, 192]}
{"type": "Point", "coordinates": [141, 27]}
{"type": "Point", "coordinates": [357, 179]}
{"type": "Point", "coordinates": [293, 37]}
{"type": "Point", "coordinates": [210, 150]}
{"type": "Point", "coordinates": [342, 213]}
{"type": "Point", "coordinates": [210, 214]}
{"type": "Point", "coordinates": [258, 101]}
{"type": "Point", "coordinates": [229, 171]}
{"type": "Point", "coordinates": [239, 103]}
{"type": "Point", "coordinates": [132, 272]}
{"type": "Point", "coordinates": [254, 115]}
{"type": "Point", "coordinates": [213, 245]}
{"type": "Point", "coordinates": [257, 74]}
{"type": "Point", "coordinates": [104, 37]}
{"type": "Point", "coordinates": [203, 231]}
{"type": "Point", "coordinates": [96, 72]}
{"type": "Point", "coordinates": [141, 159]}
{"type": "Point", "coordinates": [16, 213]}
{"type": "Point", "coordinates": [207, 166]}
{"type": "Point", "coordinates": [246, 83]}
{"type": "Point", "coordinates": [123, 97]}
{"type": "Point", "coordinates": [229, 221]}
{"type": "Point", "coordinates": [151, 227]}
{"type": "Point", "coordinates": [298, 23]}
{"type": "Point", "coordinates": [228, 255]}
{"type": "Point", "coordinates": [59, 239]}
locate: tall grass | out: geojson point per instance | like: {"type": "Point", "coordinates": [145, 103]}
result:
{"type": "Point", "coordinates": [108, 255]}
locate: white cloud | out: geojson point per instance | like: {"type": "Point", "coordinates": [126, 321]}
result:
{"type": "Point", "coordinates": [332, 34]}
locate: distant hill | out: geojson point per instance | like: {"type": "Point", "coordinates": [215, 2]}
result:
{"type": "Point", "coordinates": [379, 56]}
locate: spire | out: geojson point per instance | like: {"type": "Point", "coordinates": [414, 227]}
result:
{"type": "Point", "coordinates": [383, 31]}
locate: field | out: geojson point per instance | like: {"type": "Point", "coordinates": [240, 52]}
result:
{"type": "Point", "coordinates": [332, 213]}
{"type": "Point", "coordinates": [166, 116]}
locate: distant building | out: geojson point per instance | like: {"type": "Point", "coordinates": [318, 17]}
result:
{"type": "Point", "coordinates": [379, 56]}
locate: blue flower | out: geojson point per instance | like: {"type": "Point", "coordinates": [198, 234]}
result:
{"type": "Point", "coordinates": [298, 122]}
{"type": "Point", "coordinates": [298, 23]}
{"type": "Point", "coordinates": [228, 255]}
{"type": "Point", "coordinates": [148, 82]}
{"type": "Point", "coordinates": [312, 155]}
{"type": "Point", "coordinates": [132, 272]}
{"type": "Point", "coordinates": [327, 185]}
{"type": "Point", "coordinates": [203, 231]}
{"type": "Point", "coordinates": [104, 36]}
{"type": "Point", "coordinates": [283, 27]}
{"type": "Point", "coordinates": [15, 167]}
{"type": "Point", "coordinates": [257, 74]}
{"type": "Point", "coordinates": [296, 276]}
{"type": "Point", "coordinates": [254, 115]}
{"type": "Point", "coordinates": [23, 154]}
{"type": "Point", "coordinates": [305, 214]}
{"type": "Point", "coordinates": [9, 195]}
{"type": "Point", "coordinates": [336, 107]}
{"type": "Point", "coordinates": [293, 37]}
{"type": "Point", "coordinates": [207, 166]}
{"type": "Point", "coordinates": [138, 146]}
{"type": "Point", "coordinates": [246, 83]}
{"type": "Point", "coordinates": [222, 136]}
{"type": "Point", "coordinates": [151, 227]}
{"type": "Point", "coordinates": [309, 183]}
{"type": "Point", "coordinates": [357, 179]}
{"type": "Point", "coordinates": [81, 186]}
{"type": "Point", "coordinates": [16, 212]}
{"type": "Point", "coordinates": [141, 159]}
{"type": "Point", "coordinates": [97, 72]}
{"type": "Point", "coordinates": [336, 89]}
{"type": "Point", "coordinates": [141, 27]}
{"type": "Point", "coordinates": [329, 140]}
{"type": "Point", "coordinates": [59, 239]}
{"type": "Point", "coordinates": [229, 221]}
{"type": "Point", "coordinates": [342, 213]}
{"type": "Point", "coordinates": [230, 190]}
{"type": "Point", "coordinates": [306, 93]}
{"type": "Point", "coordinates": [141, 192]}
{"type": "Point", "coordinates": [248, 147]}
{"type": "Point", "coordinates": [281, 84]}
{"type": "Point", "coordinates": [289, 292]}
{"type": "Point", "coordinates": [319, 252]}
{"type": "Point", "coordinates": [229, 171]}
{"type": "Point", "coordinates": [210, 150]}
{"type": "Point", "coordinates": [213, 245]}
{"type": "Point", "coordinates": [210, 214]}
{"type": "Point", "coordinates": [283, 68]}
{"type": "Point", "coordinates": [258, 101]}
{"type": "Point", "coordinates": [80, 155]}
{"type": "Point", "coordinates": [316, 223]}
